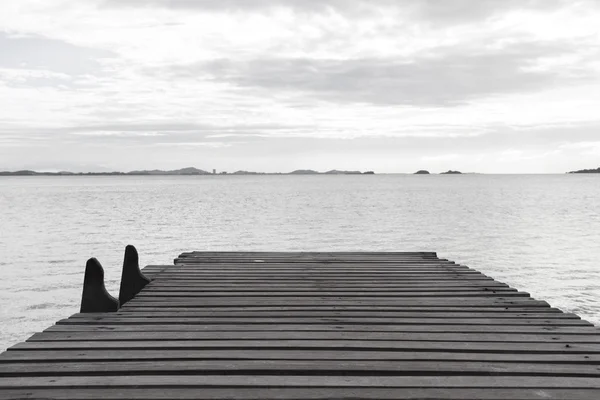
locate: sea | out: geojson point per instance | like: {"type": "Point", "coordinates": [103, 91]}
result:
{"type": "Point", "coordinates": [538, 233]}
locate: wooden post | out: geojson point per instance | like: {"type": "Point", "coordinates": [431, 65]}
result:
{"type": "Point", "coordinates": [95, 298]}
{"type": "Point", "coordinates": [132, 279]}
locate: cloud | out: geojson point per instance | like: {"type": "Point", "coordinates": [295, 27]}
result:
{"type": "Point", "coordinates": [591, 148]}
{"type": "Point", "coordinates": [34, 52]}
{"type": "Point", "coordinates": [451, 77]}
{"type": "Point", "coordinates": [214, 145]}
{"type": "Point", "coordinates": [456, 11]}
{"type": "Point", "coordinates": [461, 11]}
{"type": "Point", "coordinates": [280, 80]}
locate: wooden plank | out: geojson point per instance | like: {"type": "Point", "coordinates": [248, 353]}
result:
{"type": "Point", "coordinates": [320, 268]}
{"type": "Point", "coordinates": [177, 327]}
{"type": "Point", "coordinates": [327, 292]}
{"type": "Point", "coordinates": [301, 276]}
{"type": "Point", "coordinates": [228, 290]}
{"type": "Point", "coordinates": [308, 256]}
{"type": "Point", "coordinates": [450, 316]}
{"type": "Point", "coordinates": [289, 335]}
{"type": "Point", "coordinates": [425, 281]}
{"type": "Point", "coordinates": [201, 381]}
{"type": "Point", "coordinates": [331, 261]}
{"type": "Point", "coordinates": [203, 253]}
{"type": "Point", "coordinates": [278, 262]}
{"type": "Point", "coordinates": [294, 393]}
{"type": "Point", "coordinates": [319, 265]}
{"type": "Point", "coordinates": [389, 309]}
{"type": "Point", "coordinates": [319, 344]}
{"type": "Point", "coordinates": [345, 301]}
{"type": "Point", "coordinates": [297, 367]}
{"type": "Point", "coordinates": [449, 285]}
{"type": "Point", "coordinates": [322, 275]}
{"type": "Point", "coordinates": [322, 281]}
{"type": "Point", "coordinates": [159, 355]}
{"type": "Point", "coordinates": [323, 258]}
{"type": "Point", "coordinates": [330, 320]}
{"type": "Point", "coordinates": [291, 254]}
{"type": "Point", "coordinates": [319, 256]}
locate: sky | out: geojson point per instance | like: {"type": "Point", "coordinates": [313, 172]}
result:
{"type": "Point", "coordinates": [490, 86]}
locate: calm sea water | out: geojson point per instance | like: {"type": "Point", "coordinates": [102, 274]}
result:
{"type": "Point", "coordinates": [539, 233]}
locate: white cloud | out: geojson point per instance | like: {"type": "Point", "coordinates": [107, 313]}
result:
{"type": "Point", "coordinates": [584, 148]}
{"type": "Point", "coordinates": [182, 73]}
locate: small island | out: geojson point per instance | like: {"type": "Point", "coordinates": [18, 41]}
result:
{"type": "Point", "coordinates": [332, 172]}
{"type": "Point", "coordinates": [586, 171]}
{"type": "Point", "coordinates": [450, 172]}
{"type": "Point", "coordinates": [337, 172]}
{"type": "Point", "coordinates": [421, 172]}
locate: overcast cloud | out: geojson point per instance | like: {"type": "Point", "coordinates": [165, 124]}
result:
{"type": "Point", "coordinates": [276, 85]}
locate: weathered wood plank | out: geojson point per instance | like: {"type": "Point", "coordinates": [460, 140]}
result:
{"type": "Point", "coordinates": [288, 335]}
{"type": "Point", "coordinates": [475, 285]}
{"type": "Point", "coordinates": [341, 280]}
{"type": "Point", "coordinates": [160, 355]}
{"type": "Point", "coordinates": [331, 261]}
{"type": "Point", "coordinates": [177, 327]}
{"type": "Point", "coordinates": [343, 301]}
{"type": "Point", "coordinates": [321, 308]}
{"type": "Point", "coordinates": [318, 267]}
{"type": "Point", "coordinates": [450, 316]}
{"type": "Point", "coordinates": [294, 393]}
{"type": "Point", "coordinates": [165, 295]}
{"type": "Point", "coordinates": [201, 381]}
{"type": "Point", "coordinates": [416, 292]}
{"type": "Point", "coordinates": [187, 269]}
{"type": "Point", "coordinates": [395, 345]}
{"type": "Point", "coordinates": [330, 320]}
{"type": "Point", "coordinates": [296, 367]}
{"type": "Point", "coordinates": [320, 275]}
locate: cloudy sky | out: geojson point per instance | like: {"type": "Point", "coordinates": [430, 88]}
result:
{"type": "Point", "coordinates": [277, 85]}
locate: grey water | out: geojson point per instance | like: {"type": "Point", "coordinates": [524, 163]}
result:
{"type": "Point", "coordinates": [538, 233]}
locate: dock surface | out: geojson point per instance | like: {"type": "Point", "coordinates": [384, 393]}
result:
{"type": "Point", "coordinates": [352, 325]}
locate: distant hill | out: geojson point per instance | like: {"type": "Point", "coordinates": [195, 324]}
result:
{"type": "Point", "coordinates": [421, 172]}
{"type": "Point", "coordinates": [61, 173]}
{"type": "Point", "coordinates": [304, 172]}
{"type": "Point", "coordinates": [450, 172]}
{"type": "Point", "coordinates": [586, 171]}
{"type": "Point", "coordinates": [19, 173]}
{"type": "Point", "coordinates": [247, 173]}
{"type": "Point", "coordinates": [182, 171]}
{"type": "Point", "coordinates": [337, 172]}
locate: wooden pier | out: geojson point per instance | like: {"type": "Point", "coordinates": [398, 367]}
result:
{"type": "Point", "coordinates": [233, 325]}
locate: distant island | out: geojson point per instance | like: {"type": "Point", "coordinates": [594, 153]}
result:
{"type": "Point", "coordinates": [450, 172]}
{"type": "Point", "coordinates": [183, 171]}
{"type": "Point", "coordinates": [586, 171]}
{"type": "Point", "coordinates": [332, 172]}
{"type": "Point", "coordinates": [421, 172]}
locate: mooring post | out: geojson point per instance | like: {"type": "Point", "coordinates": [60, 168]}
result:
{"type": "Point", "coordinates": [132, 279]}
{"type": "Point", "coordinates": [95, 297]}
